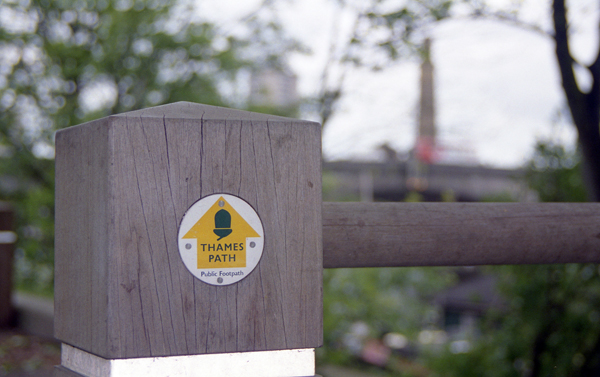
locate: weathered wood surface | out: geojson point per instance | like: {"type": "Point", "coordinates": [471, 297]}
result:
{"type": "Point", "coordinates": [6, 265]}
{"type": "Point", "coordinates": [123, 185]}
{"type": "Point", "coordinates": [82, 201]}
{"type": "Point", "coordinates": [455, 234]}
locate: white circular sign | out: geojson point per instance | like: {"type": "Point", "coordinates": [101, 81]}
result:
{"type": "Point", "coordinates": [220, 239]}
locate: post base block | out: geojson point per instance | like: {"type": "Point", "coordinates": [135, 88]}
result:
{"type": "Point", "coordinates": [282, 363]}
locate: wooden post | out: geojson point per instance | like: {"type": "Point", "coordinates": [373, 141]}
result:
{"type": "Point", "coordinates": [7, 240]}
{"type": "Point", "coordinates": [127, 299]}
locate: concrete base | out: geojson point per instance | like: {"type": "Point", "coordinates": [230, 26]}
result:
{"type": "Point", "coordinates": [284, 363]}
{"type": "Point", "coordinates": [60, 371]}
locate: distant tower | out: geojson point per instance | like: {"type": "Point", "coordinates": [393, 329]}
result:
{"type": "Point", "coordinates": [426, 143]}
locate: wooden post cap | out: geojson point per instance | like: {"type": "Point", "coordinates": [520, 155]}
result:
{"type": "Point", "coordinates": [124, 184]}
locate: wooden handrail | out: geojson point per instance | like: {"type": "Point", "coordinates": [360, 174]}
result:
{"type": "Point", "coordinates": [455, 234]}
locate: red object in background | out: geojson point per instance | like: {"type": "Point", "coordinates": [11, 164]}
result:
{"type": "Point", "coordinates": [426, 150]}
{"type": "Point", "coordinates": [376, 353]}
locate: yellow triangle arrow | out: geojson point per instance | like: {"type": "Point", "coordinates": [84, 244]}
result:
{"type": "Point", "coordinates": [221, 235]}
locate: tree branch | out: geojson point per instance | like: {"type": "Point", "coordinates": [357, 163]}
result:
{"type": "Point", "coordinates": [508, 19]}
{"type": "Point", "coordinates": [585, 108]}
{"type": "Point", "coordinates": [575, 97]}
{"type": "Point", "coordinates": [594, 95]}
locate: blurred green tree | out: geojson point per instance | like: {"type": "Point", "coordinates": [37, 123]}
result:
{"type": "Point", "coordinates": [555, 174]}
{"type": "Point", "coordinates": [551, 327]}
{"type": "Point", "coordinates": [63, 63]}
{"type": "Point", "coordinates": [382, 300]}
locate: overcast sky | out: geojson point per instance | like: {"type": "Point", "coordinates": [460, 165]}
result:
{"type": "Point", "coordinates": [497, 92]}
{"type": "Point", "coordinates": [496, 86]}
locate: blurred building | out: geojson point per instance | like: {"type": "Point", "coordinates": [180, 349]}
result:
{"type": "Point", "coordinates": [463, 305]}
{"type": "Point", "coordinates": [398, 181]}
{"type": "Point", "coordinates": [272, 87]}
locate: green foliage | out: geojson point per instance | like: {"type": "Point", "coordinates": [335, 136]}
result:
{"type": "Point", "coordinates": [335, 189]}
{"type": "Point", "coordinates": [503, 197]}
{"type": "Point", "coordinates": [389, 32]}
{"type": "Point", "coordinates": [385, 299]}
{"type": "Point", "coordinates": [551, 326]}
{"type": "Point", "coordinates": [558, 318]}
{"type": "Point", "coordinates": [413, 197]}
{"type": "Point", "coordinates": [555, 174]}
{"type": "Point", "coordinates": [63, 63]}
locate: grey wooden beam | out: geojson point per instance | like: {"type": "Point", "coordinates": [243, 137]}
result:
{"type": "Point", "coordinates": [455, 234]}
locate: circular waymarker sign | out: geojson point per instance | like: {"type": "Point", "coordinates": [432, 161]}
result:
{"type": "Point", "coordinates": [220, 239]}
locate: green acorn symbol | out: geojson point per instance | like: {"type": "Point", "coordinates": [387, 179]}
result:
{"type": "Point", "coordinates": [222, 224]}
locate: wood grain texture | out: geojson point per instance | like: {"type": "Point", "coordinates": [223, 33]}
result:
{"type": "Point", "coordinates": [6, 266]}
{"type": "Point", "coordinates": [81, 234]}
{"type": "Point", "coordinates": [158, 163]}
{"type": "Point", "coordinates": [459, 234]}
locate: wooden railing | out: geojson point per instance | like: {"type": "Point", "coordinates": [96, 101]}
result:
{"type": "Point", "coordinates": [459, 234]}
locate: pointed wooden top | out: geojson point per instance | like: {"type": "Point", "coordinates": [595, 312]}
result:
{"type": "Point", "coordinates": [190, 110]}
